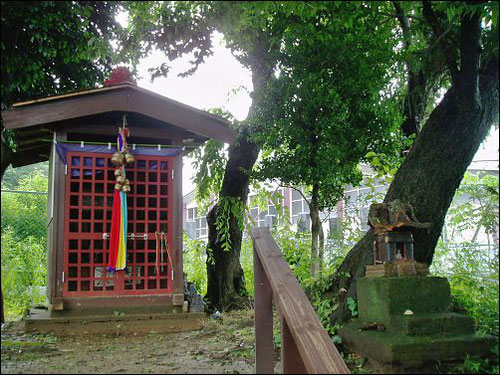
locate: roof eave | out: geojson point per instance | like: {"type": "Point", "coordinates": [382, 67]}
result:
{"type": "Point", "coordinates": [108, 99]}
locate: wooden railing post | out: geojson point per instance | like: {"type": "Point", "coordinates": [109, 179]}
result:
{"type": "Point", "coordinates": [264, 344]}
{"type": "Point", "coordinates": [291, 361]}
{"type": "Point", "coordinates": [306, 345]}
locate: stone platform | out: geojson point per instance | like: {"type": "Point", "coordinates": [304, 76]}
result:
{"type": "Point", "coordinates": [417, 326]}
{"type": "Point", "coordinates": [42, 321]}
{"type": "Point", "coordinates": [401, 351]}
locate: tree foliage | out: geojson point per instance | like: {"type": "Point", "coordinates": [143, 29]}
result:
{"type": "Point", "coordinates": [52, 47]}
{"type": "Point", "coordinates": [13, 176]}
{"type": "Point", "coordinates": [247, 30]}
{"type": "Point", "coordinates": [49, 48]}
{"type": "Point", "coordinates": [441, 45]}
{"type": "Point", "coordinates": [329, 106]}
{"type": "Point", "coordinates": [26, 214]}
{"type": "Point", "coordinates": [431, 172]}
{"type": "Point", "coordinates": [478, 207]}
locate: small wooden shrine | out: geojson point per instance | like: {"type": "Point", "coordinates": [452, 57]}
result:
{"type": "Point", "coordinates": [393, 253]}
{"type": "Point", "coordinates": [77, 133]}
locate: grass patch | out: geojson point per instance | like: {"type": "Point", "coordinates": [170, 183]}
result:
{"type": "Point", "coordinates": [21, 344]}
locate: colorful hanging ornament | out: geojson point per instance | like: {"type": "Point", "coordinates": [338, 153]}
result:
{"type": "Point", "coordinates": [118, 243]}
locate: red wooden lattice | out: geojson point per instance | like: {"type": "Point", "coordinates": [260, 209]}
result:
{"type": "Point", "coordinates": [90, 184]}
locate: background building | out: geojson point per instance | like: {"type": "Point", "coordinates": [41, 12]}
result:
{"type": "Point", "coordinates": [353, 207]}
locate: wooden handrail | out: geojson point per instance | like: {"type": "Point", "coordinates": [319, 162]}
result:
{"type": "Point", "coordinates": [306, 347]}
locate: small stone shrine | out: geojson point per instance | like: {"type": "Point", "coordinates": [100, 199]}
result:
{"type": "Point", "coordinates": [405, 321]}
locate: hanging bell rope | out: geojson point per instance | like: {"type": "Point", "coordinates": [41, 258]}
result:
{"type": "Point", "coordinates": [118, 242]}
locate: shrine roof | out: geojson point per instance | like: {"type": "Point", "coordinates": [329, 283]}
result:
{"type": "Point", "coordinates": [118, 98]}
{"type": "Point", "coordinates": [90, 113]}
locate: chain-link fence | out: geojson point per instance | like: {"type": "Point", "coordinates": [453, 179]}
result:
{"type": "Point", "coordinates": [24, 250]}
{"type": "Point", "coordinates": [477, 260]}
{"type": "Point", "coordinates": [24, 213]}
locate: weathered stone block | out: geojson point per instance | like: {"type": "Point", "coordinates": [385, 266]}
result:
{"type": "Point", "coordinates": [399, 268]}
{"type": "Point", "coordinates": [411, 350]}
{"type": "Point", "coordinates": [419, 327]}
{"type": "Point", "coordinates": [440, 324]}
{"type": "Point", "coordinates": [381, 299]}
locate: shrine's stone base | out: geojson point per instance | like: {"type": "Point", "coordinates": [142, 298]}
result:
{"type": "Point", "coordinates": [400, 352]}
{"type": "Point", "coordinates": [417, 326]}
{"type": "Point", "coordinates": [386, 299]}
{"type": "Point", "coordinates": [117, 324]}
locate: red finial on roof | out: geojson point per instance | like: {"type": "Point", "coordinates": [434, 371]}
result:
{"type": "Point", "coordinates": [118, 76]}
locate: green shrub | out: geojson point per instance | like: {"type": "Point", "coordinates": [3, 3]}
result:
{"type": "Point", "coordinates": [195, 263]}
{"type": "Point", "coordinates": [296, 250]}
{"type": "Point", "coordinates": [472, 268]}
{"type": "Point", "coordinates": [473, 277]}
{"type": "Point", "coordinates": [24, 273]}
{"type": "Point", "coordinates": [24, 213]}
{"type": "Point", "coordinates": [24, 245]}
{"type": "Point", "coordinates": [246, 260]}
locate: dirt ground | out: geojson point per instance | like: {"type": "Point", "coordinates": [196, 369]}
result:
{"type": "Point", "coordinates": [222, 346]}
{"type": "Point", "coordinates": [225, 347]}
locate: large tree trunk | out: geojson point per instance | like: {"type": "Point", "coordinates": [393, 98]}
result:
{"type": "Point", "coordinates": [315, 224]}
{"type": "Point", "coordinates": [226, 282]}
{"type": "Point", "coordinates": [226, 288]}
{"type": "Point", "coordinates": [6, 155]}
{"type": "Point", "coordinates": [321, 246]}
{"type": "Point", "coordinates": [430, 175]}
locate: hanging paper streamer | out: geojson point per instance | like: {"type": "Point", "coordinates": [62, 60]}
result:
{"type": "Point", "coordinates": [118, 243]}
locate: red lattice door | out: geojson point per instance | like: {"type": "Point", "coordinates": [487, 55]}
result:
{"type": "Point", "coordinates": [90, 185]}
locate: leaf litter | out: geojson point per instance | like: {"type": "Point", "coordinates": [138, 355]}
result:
{"type": "Point", "coordinates": [219, 347]}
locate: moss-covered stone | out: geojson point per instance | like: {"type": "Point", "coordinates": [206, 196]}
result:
{"type": "Point", "coordinates": [380, 299]}
{"type": "Point", "coordinates": [428, 332]}
{"type": "Point", "coordinates": [432, 324]}
{"type": "Point", "coordinates": [412, 350]}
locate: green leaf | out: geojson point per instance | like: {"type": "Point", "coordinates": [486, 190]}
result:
{"type": "Point", "coordinates": [371, 154]}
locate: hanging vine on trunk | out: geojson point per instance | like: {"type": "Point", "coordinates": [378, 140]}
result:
{"type": "Point", "coordinates": [226, 208]}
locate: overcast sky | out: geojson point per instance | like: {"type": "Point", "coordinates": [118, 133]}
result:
{"type": "Point", "coordinates": [212, 84]}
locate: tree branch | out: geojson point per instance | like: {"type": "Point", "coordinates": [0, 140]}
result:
{"type": "Point", "coordinates": [409, 125]}
{"type": "Point", "coordinates": [417, 92]}
{"type": "Point", "coordinates": [449, 53]}
{"type": "Point", "coordinates": [470, 53]}
{"type": "Point", "coordinates": [298, 190]}
{"type": "Point", "coordinates": [403, 22]}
